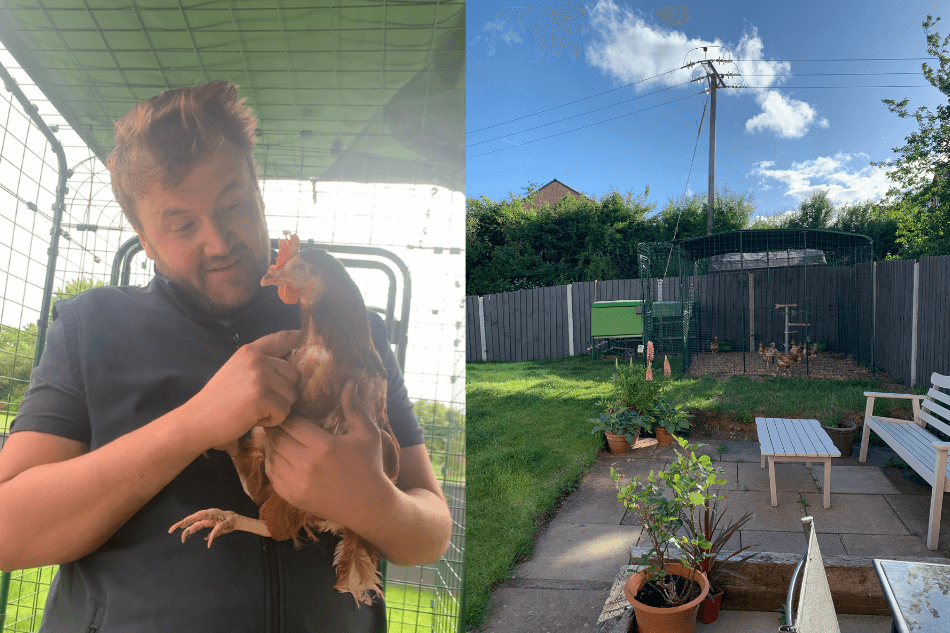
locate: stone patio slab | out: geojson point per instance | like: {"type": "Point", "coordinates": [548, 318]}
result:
{"type": "Point", "coordinates": [730, 473]}
{"type": "Point", "coordinates": [535, 610]}
{"type": "Point", "coordinates": [877, 455]}
{"type": "Point", "coordinates": [580, 551]}
{"type": "Point", "coordinates": [747, 452]}
{"type": "Point", "coordinates": [914, 512]}
{"type": "Point", "coordinates": [789, 542]}
{"type": "Point", "coordinates": [592, 504]}
{"type": "Point", "coordinates": [871, 546]}
{"type": "Point", "coordinates": [854, 480]}
{"type": "Point", "coordinates": [854, 514]}
{"type": "Point", "coordinates": [789, 476]}
{"type": "Point", "coordinates": [787, 517]}
{"type": "Point", "coordinates": [908, 482]}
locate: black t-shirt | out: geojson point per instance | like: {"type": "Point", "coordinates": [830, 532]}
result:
{"type": "Point", "coordinates": [118, 357]}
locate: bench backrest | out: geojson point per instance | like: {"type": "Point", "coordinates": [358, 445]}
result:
{"type": "Point", "coordinates": [936, 410]}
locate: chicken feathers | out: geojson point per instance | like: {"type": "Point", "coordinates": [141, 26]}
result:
{"type": "Point", "coordinates": [335, 346]}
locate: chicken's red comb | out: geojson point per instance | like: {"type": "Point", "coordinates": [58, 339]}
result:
{"type": "Point", "coordinates": [288, 248]}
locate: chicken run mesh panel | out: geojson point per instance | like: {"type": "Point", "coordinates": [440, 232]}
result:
{"type": "Point", "coordinates": [715, 299]}
{"type": "Point", "coordinates": [68, 217]}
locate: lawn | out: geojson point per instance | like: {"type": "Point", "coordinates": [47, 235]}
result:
{"type": "Point", "coordinates": [529, 443]}
{"type": "Point", "coordinates": [28, 589]}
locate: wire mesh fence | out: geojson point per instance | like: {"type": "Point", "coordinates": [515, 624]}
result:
{"type": "Point", "coordinates": [419, 225]}
{"type": "Point", "coordinates": [760, 300]}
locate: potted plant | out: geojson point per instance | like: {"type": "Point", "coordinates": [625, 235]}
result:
{"type": "Point", "coordinates": [670, 420]}
{"type": "Point", "coordinates": [704, 522]}
{"type": "Point", "coordinates": [632, 389]}
{"type": "Point", "coordinates": [667, 591]}
{"type": "Point", "coordinates": [840, 431]}
{"type": "Point", "coordinates": [621, 427]}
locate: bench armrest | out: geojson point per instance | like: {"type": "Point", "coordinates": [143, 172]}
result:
{"type": "Point", "coordinates": [941, 446]}
{"type": "Point", "coordinates": [906, 396]}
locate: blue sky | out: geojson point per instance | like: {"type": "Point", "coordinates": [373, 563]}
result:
{"type": "Point", "coordinates": [779, 140]}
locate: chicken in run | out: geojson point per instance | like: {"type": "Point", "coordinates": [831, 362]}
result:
{"type": "Point", "coordinates": [714, 346]}
{"type": "Point", "coordinates": [335, 347]}
{"type": "Point", "coordinates": [813, 352]}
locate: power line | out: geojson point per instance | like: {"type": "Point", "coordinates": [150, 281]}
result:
{"type": "Point", "coordinates": [576, 115]}
{"type": "Point", "coordinates": [573, 102]}
{"type": "Point", "coordinates": [696, 94]}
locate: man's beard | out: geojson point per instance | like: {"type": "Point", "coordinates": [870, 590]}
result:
{"type": "Point", "coordinates": [250, 282]}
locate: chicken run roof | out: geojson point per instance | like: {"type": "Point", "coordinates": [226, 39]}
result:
{"type": "Point", "coordinates": [364, 91]}
{"type": "Point", "coordinates": [761, 241]}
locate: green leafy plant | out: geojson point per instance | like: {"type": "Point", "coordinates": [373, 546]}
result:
{"type": "Point", "coordinates": [671, 417]}
{"type": "Point", "coordinates": [721, 449]}
{"type": "Point", "coordinates": [621, 421]}
{"type": "Point", "coordinates": [632, 389]}
{"type": "Point", "coordinates": [803, 501]}
{"type": "Point", "coordinates": [702, 526]}
{"type": "Point", "coordinates": [745, 488]}
{"type": "Point", "coordinates": [781, 612]}
{"type": "Point", "coordinates": [689, 477]}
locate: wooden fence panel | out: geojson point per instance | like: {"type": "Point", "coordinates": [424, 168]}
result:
{"type": "Point", "coordinates": [473, 335]}
{"type": "Point", "coordinates": [933, 330]}
{"type": "Point", "coordinates": [893, 327]}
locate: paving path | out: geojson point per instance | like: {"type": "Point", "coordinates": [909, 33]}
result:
{"type": "Point", "coordinates": [875, 511]}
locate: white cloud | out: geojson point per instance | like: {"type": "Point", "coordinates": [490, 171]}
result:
{"type": "Point", "coordinates": [832, 173]}
{"type": "Point", "coordinates": [500, 30]}
{"type": "Point", "coordinates": [786, 117]}
{"type": "Point", "coordinates": [628, 49]}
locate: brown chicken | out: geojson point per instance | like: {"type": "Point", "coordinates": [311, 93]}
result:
{"type": "Point", "coordinates": [714, 346]}
{"type": "Point", "coordinates": [335, 346]}
{"type": "Point", "coordinates": [787, 360]}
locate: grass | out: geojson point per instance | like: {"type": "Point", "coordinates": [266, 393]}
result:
{"type": "Point", "coordinates": [28, 589]}
{"type": "Point", "coordinates": [529, 443]}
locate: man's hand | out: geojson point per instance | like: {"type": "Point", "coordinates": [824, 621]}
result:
{"type": "Point", "coordinates": [256, 387]}
{"type": "Point", "coordinates": [335, 477]}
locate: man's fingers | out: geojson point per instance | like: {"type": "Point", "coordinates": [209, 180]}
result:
{"type": "Point", "coordinates": [278, 344]}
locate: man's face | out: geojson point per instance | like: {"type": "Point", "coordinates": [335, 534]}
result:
{"type": "Point", "coordinates": [208, 234]}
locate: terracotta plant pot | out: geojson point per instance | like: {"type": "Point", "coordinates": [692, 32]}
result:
{"type": "Point", "coordinates": [842, 437]}
{"type": "Point", "coordinates": [663, 437]}
{"type": "Point", "coordinates": [709, 608]}
{"type": "Point", "coordinates": [681, 619]}
{"type": "Point", "coordinates": [617, 444]}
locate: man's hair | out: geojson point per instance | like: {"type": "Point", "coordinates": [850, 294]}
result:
{"type": "Point", "coordinates": [161, 139]}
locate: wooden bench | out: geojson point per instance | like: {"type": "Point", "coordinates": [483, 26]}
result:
{"type": "Point", "coordinates": [923, 451]}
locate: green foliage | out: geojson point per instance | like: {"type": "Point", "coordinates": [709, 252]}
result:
{"type": "Point", "coordinates": [814, 212]}
{"type": "Point", "coordinates": [920, 173]}
{"type": "Point", "coordinates": [18, 348]}
{"type": "Point", "coordinates": [444, 430]}
{"type": "Point", "coordinates": [687, 216]}
{"type": "Point", "coordinates": [689, 477]}
{"type": "Point", "coordinates": [702, 525]}
{"type": "Point", "coordinates": [622, 422]}
{"type": "Point", "coordinates": [673, 418]}
{"type": "Point", "coordinates": [876, 220]}
{"type": "Point", "coordinates": [511, 245]}
{"type": "Point", "coordinates": [631, 389]}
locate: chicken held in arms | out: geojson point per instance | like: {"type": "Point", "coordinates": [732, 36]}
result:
{"type": "Point", "coordinates": [335, 347]}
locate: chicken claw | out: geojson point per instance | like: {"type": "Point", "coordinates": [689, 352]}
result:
{"type": "Point", "coordinates": [221, 522]}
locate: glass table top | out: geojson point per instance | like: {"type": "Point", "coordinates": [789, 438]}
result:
{"type": "Point", "coordinates": [918, 594]}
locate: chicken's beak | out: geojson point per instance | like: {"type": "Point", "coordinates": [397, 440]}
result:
{"type": "Point", "coordinates": [275, 277]}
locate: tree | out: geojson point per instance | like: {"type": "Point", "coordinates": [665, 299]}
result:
{"type": "Point", "coordinates": [18, 348]}
{"type": "Point", "coordinates": [814, 212]}
{"type": "Point", "coordinates": [876, 220]}
{"type": "Point", "coordinates": [922, 171]}
{"type": "Point", "coordinates": [685, 217]}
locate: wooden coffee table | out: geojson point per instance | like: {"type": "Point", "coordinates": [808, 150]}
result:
{"type": "Point", "coordinates": [790, 440]}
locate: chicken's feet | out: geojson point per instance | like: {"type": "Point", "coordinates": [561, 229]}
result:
{"type": "Point", "coordinates": [221, 522]}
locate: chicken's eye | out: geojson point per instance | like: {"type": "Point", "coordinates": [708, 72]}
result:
{"type": "Point", "coordinates": [298, 268]}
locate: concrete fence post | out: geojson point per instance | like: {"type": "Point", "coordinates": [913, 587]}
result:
{"type": "Point", "coordinates": [570, 322]}
{"type": "Point", "coordinates": [481, 325]}
{"type": "Point", "coordinates": [913, 328]}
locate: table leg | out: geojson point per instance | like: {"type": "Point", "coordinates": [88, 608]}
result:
{"type": "Point", "coordinates": [807, 464]}
{"type": "Point", "coordinates": [827, 483]}
{"type": "Point", "coordinates": [772, 481]}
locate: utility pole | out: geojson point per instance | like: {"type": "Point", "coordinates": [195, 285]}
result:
{"type": "Point", "coordinates": [715, 82]}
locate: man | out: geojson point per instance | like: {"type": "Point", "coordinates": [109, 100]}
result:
{"type": "Point", "coordinates": [136, 384]}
